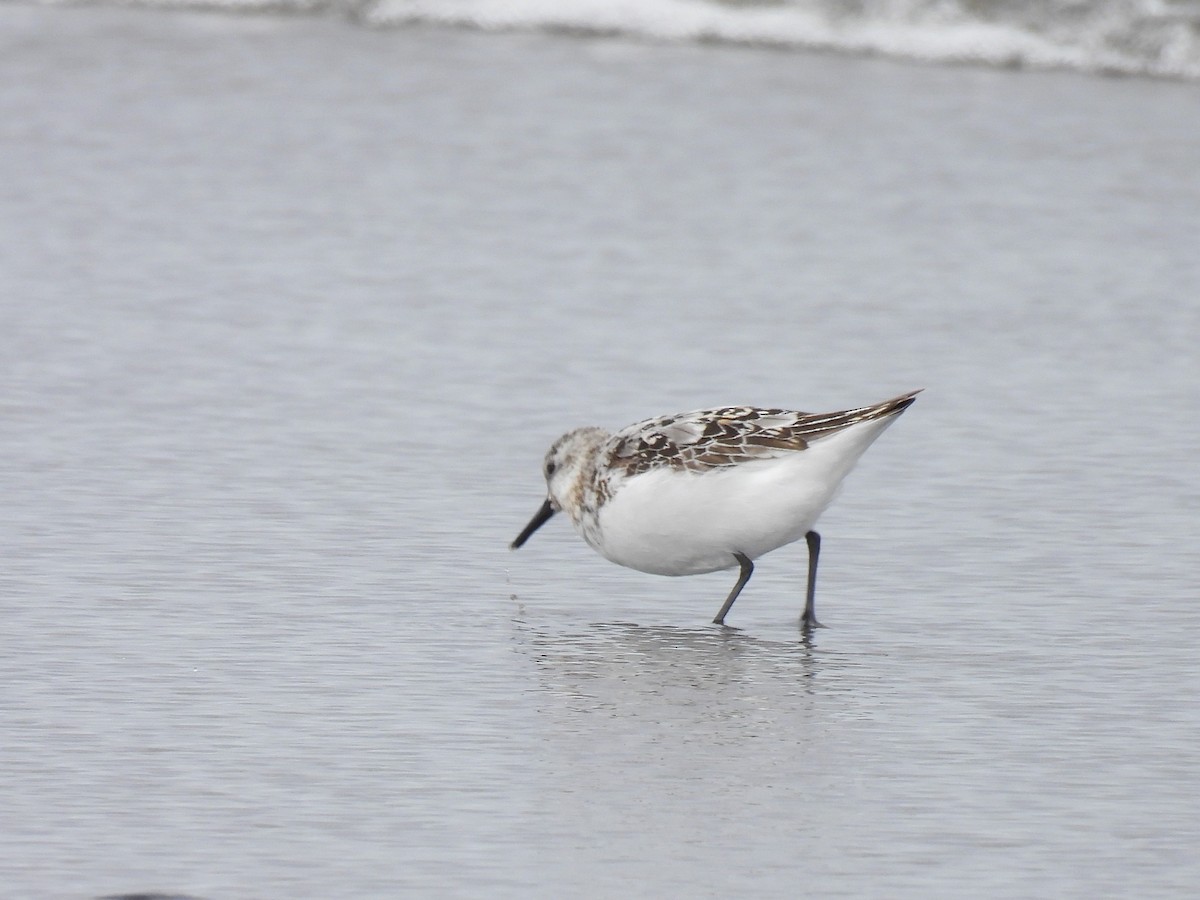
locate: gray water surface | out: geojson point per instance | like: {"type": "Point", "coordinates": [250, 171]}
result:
{"type": "Point", "coordinates": [290, 311]}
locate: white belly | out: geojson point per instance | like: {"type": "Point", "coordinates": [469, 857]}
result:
{"type": "Point", "coordinates": [673, 522]}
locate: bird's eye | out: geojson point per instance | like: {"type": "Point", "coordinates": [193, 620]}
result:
{"type": "Point", "coordinates": [551, 467]}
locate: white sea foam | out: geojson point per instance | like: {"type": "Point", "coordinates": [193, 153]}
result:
{"type": "Point", "coordinates": [1150, 37]}
{"type": "Point", "coordinates": [1136, 37]}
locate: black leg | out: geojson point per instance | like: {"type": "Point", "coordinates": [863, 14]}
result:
{"type": "Point", "coordinates": [747, 571]}
{"type": "Point", "coordinates": [809, 619]}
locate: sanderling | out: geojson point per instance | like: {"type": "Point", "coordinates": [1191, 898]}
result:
{"type": "Point", "coordinates": [708, 490]}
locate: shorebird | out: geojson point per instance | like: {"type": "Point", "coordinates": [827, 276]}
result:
{"type": "Point", "coordinates": [708, 490]}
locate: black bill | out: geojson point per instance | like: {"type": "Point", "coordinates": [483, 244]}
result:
{"type": "Point", "coordinates": [538, 520]}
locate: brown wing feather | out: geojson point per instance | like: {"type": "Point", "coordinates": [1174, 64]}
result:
{"type": "Point", "coordinates": [717, 438]}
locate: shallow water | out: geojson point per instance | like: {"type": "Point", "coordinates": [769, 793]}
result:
{"type": "Point", "coordinates": [291, 311]}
